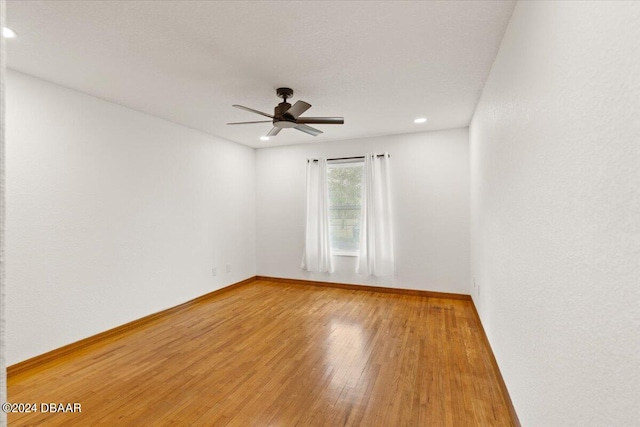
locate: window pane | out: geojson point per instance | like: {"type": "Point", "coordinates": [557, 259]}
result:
{"type": "Point", "coordinates": [345, 192]}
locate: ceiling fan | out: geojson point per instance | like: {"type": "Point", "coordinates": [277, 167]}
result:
{"type": "Point", "coordinates": [286, 115]}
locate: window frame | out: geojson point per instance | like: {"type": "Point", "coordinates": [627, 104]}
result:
{"type": "Point", "coordinates": [344, 163]}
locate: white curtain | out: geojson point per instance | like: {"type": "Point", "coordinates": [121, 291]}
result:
{"type": "Point", "coordinates": [376, 235]}
{"type": "Point", "coordinates": [317, 245]}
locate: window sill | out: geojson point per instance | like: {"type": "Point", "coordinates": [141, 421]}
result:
{"type": "Point", "coordinates": [344, 253]}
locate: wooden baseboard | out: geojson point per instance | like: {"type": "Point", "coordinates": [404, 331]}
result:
{"type": "Point", "coordinates": [413, 292]}
{"type": "Point", "coordinates": [503, 386]}
{"type": "Point", "coordinates": [57, 353]}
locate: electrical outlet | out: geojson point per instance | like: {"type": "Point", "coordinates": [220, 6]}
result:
{"type": "Point", "coordinates": [228, 268]}
{"type": "Point", "coordinates": [214, 271]}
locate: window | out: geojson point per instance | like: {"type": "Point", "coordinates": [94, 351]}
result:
{"type": "Point", "coordinates": [345, 193]}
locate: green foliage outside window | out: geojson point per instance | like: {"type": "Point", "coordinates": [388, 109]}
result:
{"type": "Point", "coordinates": [345, 188]}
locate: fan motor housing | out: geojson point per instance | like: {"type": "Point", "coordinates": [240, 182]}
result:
{"type": "Point", "coordinates": [281, 119]}
{"type": "Point", "coordinates": [280, 109]}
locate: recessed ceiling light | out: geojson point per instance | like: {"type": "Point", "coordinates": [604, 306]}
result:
{"type": "Point", "coordinates": [420, 120]}
{"type": "Point", "coordinates": [264, 138]}
{"type": "Point", "coordinates": [8, 33]}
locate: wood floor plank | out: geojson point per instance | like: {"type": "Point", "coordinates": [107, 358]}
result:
{"type": "Point", "coordinates": [282, 354]}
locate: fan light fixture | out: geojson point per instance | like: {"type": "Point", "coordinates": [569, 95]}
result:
{"type": "Point", "coordinates": [8, 33]}
{"type": "Point", "coordinates": [420, 120]}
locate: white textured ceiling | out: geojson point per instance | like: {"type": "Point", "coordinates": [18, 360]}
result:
{"type": "Point", "coordinates": [378, 64]}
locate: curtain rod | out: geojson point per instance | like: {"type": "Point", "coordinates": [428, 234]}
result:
{"type": "Point", "coordinates": [349, 158]}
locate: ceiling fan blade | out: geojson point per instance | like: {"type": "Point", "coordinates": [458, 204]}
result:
{"type": "Point", "coordinates": [253, 111]}
{"type": "Point", "coordinates": [274, 131]}
{"type": "Point", "coordinates": [307, 129]}
{"type": "Point", "coordinates": [298, 108]}
{"type": "Point", "coordinates": [246, 123]}
{"type": "Point", "coordinates": [321, 120]}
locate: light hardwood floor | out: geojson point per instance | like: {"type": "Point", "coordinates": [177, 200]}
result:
{"type": "Point", "coordinates": [278, 354]}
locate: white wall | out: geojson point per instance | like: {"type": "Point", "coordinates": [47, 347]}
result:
{"type": "Point", "coordinates": [430, 181]}
{"type": "Point", "coordinates": [555, 170]}
{"type": "Point", "coordinates": [3, 372]}
{"type": "Point", "coordinates": [113, 215]}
